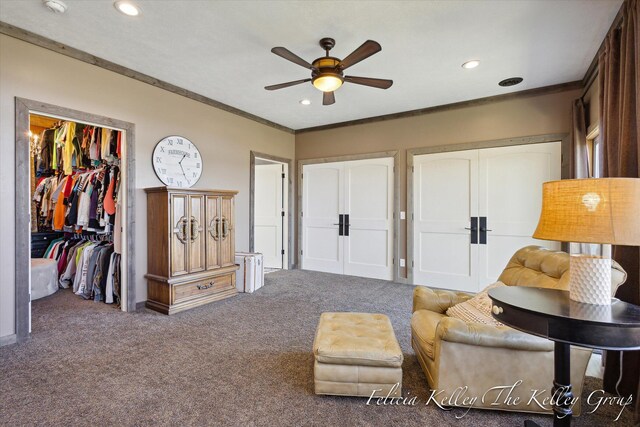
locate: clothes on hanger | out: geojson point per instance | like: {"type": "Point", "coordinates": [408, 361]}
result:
{"type": "Point", "coordinates": [92, 268]}
{"type": "Point", "coordinates": [78, 192]}
{"type": "Point", "coordinates": [70, 145]}
{"type": "Point", "coordinates": [83, 201]}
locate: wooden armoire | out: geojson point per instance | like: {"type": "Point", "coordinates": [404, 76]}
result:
{"type": "Point", "coordinates": [191, 249]}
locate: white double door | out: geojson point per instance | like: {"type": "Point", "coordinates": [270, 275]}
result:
{"type": "Point", "coordinates": [473, 209]}
{"type": "Point", "coordinates": [347, 218]}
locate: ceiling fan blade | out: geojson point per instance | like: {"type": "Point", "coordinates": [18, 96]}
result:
{"type": "Point", "coordinates": [283, 85]}
{"type": "Point", "coordinates": [328, 98]}
{"type": "Point", "coordinates": [367, 49]}
{"type": "Point", "coordinates": [367, 81]}
{"type": "Point", "coordinates": [290, 56]}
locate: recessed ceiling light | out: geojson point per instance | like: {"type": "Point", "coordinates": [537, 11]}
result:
{"type": "Point", "coordinates": [305, 102]}
{"type": "Point", "coordinates": [511, 81]}
{"type": "Point", "coordinates": [471, 64]}
{"type": "Point", "coordinates": [57, 6]}
{"type": "Point", "coordinates": [127, 7]}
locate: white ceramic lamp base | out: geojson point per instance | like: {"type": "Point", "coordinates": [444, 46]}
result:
{"type": "Point", "coordinates": [590, 279]}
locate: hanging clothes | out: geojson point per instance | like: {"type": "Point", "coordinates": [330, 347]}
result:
{"type": "Point", "coordinates": [78, 192]}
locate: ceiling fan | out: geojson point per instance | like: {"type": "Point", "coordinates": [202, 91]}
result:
{"type": "Point", "coordinates": [327, 71]}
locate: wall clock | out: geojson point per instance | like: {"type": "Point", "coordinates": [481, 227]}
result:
{"type": "Point", "coordinates": [177, 162]}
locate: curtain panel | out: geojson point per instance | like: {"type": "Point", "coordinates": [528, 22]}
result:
{"type": "Point", "coordinates": [580, 160]}
{"type": "Point", "coordinates": [620, 118]}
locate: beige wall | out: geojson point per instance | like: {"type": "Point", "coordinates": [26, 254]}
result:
{"type": "Point", "coordinates": [224, 140]}
{"type": "Point", "coordinates": [526, 116]}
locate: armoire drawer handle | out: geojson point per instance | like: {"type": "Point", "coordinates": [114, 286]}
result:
{"type": "Point", "coordinates": [225, 228]}
{"type": "Point", "coordinates": [181, 232]}
{"type": "Point", "coordinates": [194, 229]}
{"type": "Point", "coordinates": [207, 286]}
{"type": "Point", "coordinates": [214, 228]}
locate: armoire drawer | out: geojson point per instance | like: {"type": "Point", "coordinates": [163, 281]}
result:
{"type": "Point", "coordinates": [200, 288]}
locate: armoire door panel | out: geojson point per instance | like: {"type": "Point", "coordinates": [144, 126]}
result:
{"type": "Point", "coordinates": [212, 234]}
{"type": "Point", "coordinates": [196, 233]}
{"type": "Point", "coordinates": [179, 234]}
{"type": "Point", "coordinates": [227, 234]}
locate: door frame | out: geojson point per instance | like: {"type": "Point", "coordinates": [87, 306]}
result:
{"type": "Point", "coordinates": [396, 199]}
{"type": "Point", "coordinates": [507, 142]}
{"type": "Point", "coordinates": [291, 260]}
{"type": "Point", "coordinates": [23, 108]}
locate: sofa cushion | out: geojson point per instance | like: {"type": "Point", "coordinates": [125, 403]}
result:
{"type": "Point", "coordinates": [356, 339]}
{"type": "Point", "coordinates": [476, 309]}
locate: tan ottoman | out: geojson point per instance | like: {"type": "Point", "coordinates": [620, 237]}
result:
{"type": "Point", "coordinates": [356, 354]}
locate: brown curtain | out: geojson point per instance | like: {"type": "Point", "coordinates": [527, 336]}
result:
{"type": "Point", "coordinates": [620, 119]}
{"type": "Point", "coordinates": [580, 160]}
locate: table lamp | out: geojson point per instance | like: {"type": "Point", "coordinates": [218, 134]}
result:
{"type": "Point", "coordinates": [593, 211]}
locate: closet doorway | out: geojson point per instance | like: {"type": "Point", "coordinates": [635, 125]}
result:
{"type": "Point", "coordinates": [347, 217]}
{"type": "Point", "coordinates": [270, 205]}
{"type": "Point", "coordinates": [472, 209]}
{"type": "Point", "coordinates": [106, 169]}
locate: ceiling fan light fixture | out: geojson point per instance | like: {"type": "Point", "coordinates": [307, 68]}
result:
{"type": "Point", "coordinates": [327, 82]}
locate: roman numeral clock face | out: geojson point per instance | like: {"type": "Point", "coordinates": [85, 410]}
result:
{"type": "Point", "coordinates": [177, 162]}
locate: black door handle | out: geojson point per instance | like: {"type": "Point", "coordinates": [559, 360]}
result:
{"type": "Point", "coordinates": [346, 224]}
{"type": "Point", "coordinates": [473, 229]}
{"type": "Point", "coordinates": [483, 230]}
{"type": "Point", "coordinates": [340, 225]}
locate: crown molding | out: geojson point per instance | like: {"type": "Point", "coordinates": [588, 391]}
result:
{"type": "Point", "coordinates": [546, 90]}
{"type": "Point", "coordinates": [63, 49]}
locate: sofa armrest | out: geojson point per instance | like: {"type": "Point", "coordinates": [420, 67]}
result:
{"type": "Point", "coordinates": [455, 330]}
{"type": "Point", "coordinates": [436, 300]}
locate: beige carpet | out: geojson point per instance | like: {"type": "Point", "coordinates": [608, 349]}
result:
{"type": "Point", "coordinates": [243, 361]}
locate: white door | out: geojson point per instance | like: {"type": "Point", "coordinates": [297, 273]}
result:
{"type": "Point", "coordinates": [510, 198]}
{"type": "Point", "coordinates": [360, 195]}
{"type": "Point", "coordinates": [323, 198]}
{"type": "Point", "coordinates": [368, 193]}
{"type": "Point", "coordinates": [497, 192]}
{"type": "Point", "coordinates": [269, 209]}
{"type": "Point", "coordinates": [445, 199]}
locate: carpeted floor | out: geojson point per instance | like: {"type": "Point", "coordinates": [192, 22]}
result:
{"type": "Point", "coordinates": [243, 361]}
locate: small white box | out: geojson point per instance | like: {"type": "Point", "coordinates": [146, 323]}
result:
{"type": "Point", "coordinates": [250, 275]}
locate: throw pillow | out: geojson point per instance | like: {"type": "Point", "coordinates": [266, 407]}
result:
{"type": "Point", "coordinates": [476, 309]}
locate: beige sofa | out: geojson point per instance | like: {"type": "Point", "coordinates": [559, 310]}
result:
{"type": "Point", "coordinates": [470, 359]}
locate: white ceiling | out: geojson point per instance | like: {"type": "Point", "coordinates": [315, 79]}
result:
{"type": "Point", "coordinates": [221, 49]}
